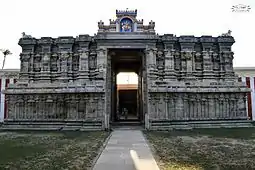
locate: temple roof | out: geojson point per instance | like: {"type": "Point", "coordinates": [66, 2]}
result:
{"type": "Point", "coordinates": [127, 12]}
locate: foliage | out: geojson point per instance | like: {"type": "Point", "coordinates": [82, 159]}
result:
{"type": "Point", "coordinates": [5, 52]}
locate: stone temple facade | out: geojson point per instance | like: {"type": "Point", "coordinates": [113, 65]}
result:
{"type": "Point", "coordinates": [70, 82]}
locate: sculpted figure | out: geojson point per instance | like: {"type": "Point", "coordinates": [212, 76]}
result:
{"type": "Point", "coordinates": [26, 36]}
{"type": "Point", "coordinates": [227, 34]}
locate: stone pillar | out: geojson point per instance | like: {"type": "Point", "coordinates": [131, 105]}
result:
{"type": "Point", "coordinates": [168, 106]}
{"type": "Point", "coordinates": [145, 94]}
{"type": "Point", "coordinates": [228, 58]}
{"type": "Point", "coordinates": [54, 70]}
{"type": "Point", "coordinates": [9, 103]}
{"type": "Point", "coordinates": [63, 66]}
{"type": "Point", "coordinates": [105, 74]}
{"type": "Point", "coordinates": [45, 71]}
{"type": "Point", "coordinates": [187, 64]}
{"type": "Point", "coordinates": [101, 63]}
{"type": "Point", "coordinates": [70, 66]}
{"type": "Point", "coordinates": [198, 62]}
{"type": "Point", "coordinates": [207, 64]}
{"type": "Point", "coordinates": [72, 107]}
{"type": "Point", "coordinates": [37, 67]}
{"type": "Point", "coordinates": [221, 101]}
{"type": "Point", "coordinates": [157, 107]}
{"type": "Point", "coordinates": [83, 65]}
{"type": "Point", "coordinates": [232, 106]}
{"type": "Point", "coordinates": [24, 67]}
{"type": "Point", "coordinates": [222, 66]}
{"type": "Point", "coordinates": [86, 107]}
{"type": "Point", "coordinates": [179, 106]}
{"type": "Point", "coordinates": [199, 106]}
{"type": "Point", "coordinates": [217, 106]}
{"type": "Point", "coordinates": [151, 111]}
{"type": "Point", "coordinates": [211, 109]}
{"type": "Point", "coordinates": [189, 57]}
{"type": "Point", "coordinates": [151, 63]}
{"type": "Point", "coordinates": [169, 64]}
{"type": "Point", "coordinates": [216, 61]}
{"type": "Point", "coordinates": [186, 106]}
{"type": "Point", "coordinates": [31, 67]}
{"type": "Point", "coordinates": [49, 107]}
{"type": "Point", "coordinates": [242, 110]}
{"type": "Point", "coordinates": [190, 64]}
{"type": "Point", "coordinates": [177, 61]}
{"type": "Point", "coordinates": [191, 107]}
{"type": "Point", "coordinates": [183, 61]}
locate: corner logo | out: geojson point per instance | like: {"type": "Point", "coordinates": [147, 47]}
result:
{"type": "Point", "coordinates": [241, 8]}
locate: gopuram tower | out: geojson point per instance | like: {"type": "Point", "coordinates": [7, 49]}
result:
{"type": "Point", "coordinates": [70, 82]}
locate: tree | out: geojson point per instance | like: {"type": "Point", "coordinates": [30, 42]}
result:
{"type": "Point", "coordinates": [5, 53]}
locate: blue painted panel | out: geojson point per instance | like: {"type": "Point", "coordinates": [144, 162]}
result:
{"type": "Point", "coordinates": [126, 25]}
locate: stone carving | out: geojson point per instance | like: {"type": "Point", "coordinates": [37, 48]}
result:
{"type": "Point", "coordinates": [183, 78]}
{"type": "Point", "coordinates": [227, 34]}
{"type": "Point", "coordinates": [26, 36]}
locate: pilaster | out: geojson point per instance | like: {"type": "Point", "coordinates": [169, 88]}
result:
{"type": "Point", "coordinates": [229, 71]}
{"type": "Point", "coordinates": [45, 74]}
{"type": "Point", "coordinates": [24, 68]}
{"type": "Point", "coordinates": [70, 71]}
{"type": "Point", "coordinates": [83, 52]}
{"type": "Point", "coordinates": [55, 66]}
{"type": "Point", "coordinates": [83, 65]}
{"type": "Point", "coordinates": [226, 56]}
{"type": "Point", "coordinates": [151, 63]}
{"type": "Point", "coordinates": [63, 57]}
{"type": "Point", "coordinates": [169, 64]}
{"type": "Point", "coordinates": [207, 64]}
{"type": "Point", "coordinates": [101, 63]}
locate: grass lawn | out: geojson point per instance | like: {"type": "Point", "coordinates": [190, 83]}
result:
{"type": "Point", "coordinates": [49, 150]}
{"type": "Point", "coordinates": [216, 149]}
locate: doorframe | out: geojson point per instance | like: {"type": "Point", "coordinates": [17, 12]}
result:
{"type": "Point", "coordinates": [109, 88]}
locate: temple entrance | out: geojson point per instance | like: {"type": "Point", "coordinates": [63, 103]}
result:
{"type": "Point", "coordinates": [127, 88]}
{"type": "Point", "coordinates": [127, 96]}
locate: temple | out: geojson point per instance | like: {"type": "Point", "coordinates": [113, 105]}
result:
{"type": "Point", "coordinates": [70, 82]}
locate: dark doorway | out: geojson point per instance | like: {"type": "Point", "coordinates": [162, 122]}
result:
{"type": "Point", "coordinates": [128, 101]}
{"type": "Point", "coordinates": [127, 97]}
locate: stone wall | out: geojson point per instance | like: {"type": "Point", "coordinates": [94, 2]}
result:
{"type": "Point", "coordinates": [49, 107]}
{"type": "Point", "coordinates": [197, 106]}
{"type": "Point", "coordinates": [183, 78]}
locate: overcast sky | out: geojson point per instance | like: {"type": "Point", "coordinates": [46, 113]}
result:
{"type": "Point", "coordinates": [54, 18]}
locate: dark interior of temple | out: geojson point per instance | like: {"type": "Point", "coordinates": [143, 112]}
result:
{"type": "Point", "coordinates": [128, 101]}
{"type": "Point", "coordinates": [126, 61]}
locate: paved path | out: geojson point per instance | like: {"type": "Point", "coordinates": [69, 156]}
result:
{"type": "Point", "coordinates": [126, 150]}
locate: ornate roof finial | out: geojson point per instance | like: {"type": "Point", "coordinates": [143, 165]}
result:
{"type": "Point", "coordinates": [127, 12]}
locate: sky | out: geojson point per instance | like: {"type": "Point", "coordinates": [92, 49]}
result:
{"type": "Point", "coordinates": [53, 18]}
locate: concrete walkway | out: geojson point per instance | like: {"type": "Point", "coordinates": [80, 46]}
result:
{"type": "Point", "coordinates": [126, 150]}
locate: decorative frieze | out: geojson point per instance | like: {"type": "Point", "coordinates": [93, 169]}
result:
{"type": "Point", "coordinates": [54, 107]}
{"type": "Point", "coordinates": [192, 106]}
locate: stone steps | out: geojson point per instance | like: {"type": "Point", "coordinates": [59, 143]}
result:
{"type": "Point", "coordinates": [169, 125]}
{"type": "Point", "coordinates": [126, 123]}
{"type": "Point", "coordinates": [52, 125]}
